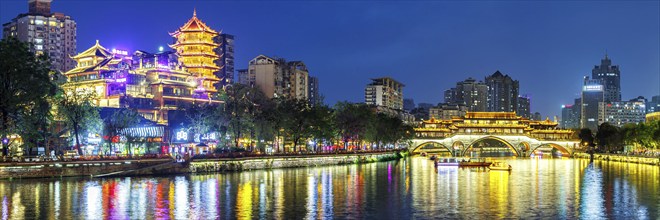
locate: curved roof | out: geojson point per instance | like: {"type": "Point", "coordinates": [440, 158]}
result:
{"type": "Point", "coordinates": [194, 24]}
{"type": "Point", "coordinates": [96, 50]}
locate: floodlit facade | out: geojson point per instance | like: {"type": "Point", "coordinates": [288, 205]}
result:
{"type": "Point", "coordinates": [53, 34]}
{"type": "Point", "coordinates": [150, 83]}
{"type": "Point", "coordinates": [447, 111]}
{"type": "Point", "coordinates": [196, 49]}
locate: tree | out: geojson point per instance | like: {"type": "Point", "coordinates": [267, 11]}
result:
{"type": "Point", "coordinates": [24, 85]}
{"type": "Point", "coordinates": [118, 123]}
{"type": "Point", "coordinates": [609, 138]}
{"type": "Point", "coordinates": [296, 119]}
{"type": "Point", "coordinates": [322, 129]}
{"type": "Point", "coordinates": [76, 108]}
{"type": "Point", "coordinates": [351, 121]}
{"type": "Point", "coordinates": [237, 113]}
{"type": "Point", "coordinates": [586, 138]}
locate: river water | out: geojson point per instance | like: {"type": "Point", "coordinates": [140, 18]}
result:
{"type": "Point", "coordinates": [409, 188]}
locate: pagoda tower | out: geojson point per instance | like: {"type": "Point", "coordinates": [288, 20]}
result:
{"type": "Point", "coordinates": [195, 48]}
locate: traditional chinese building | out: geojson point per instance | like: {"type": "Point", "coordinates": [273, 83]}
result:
{"type": "Point", "coordinates": [492, 123]}
{"type": "Point", "coordinates": [196, 50]}
{"type": "Point", "coordinates": [150, 83]}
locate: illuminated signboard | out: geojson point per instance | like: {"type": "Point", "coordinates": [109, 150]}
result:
{"type": "Point", "coordinates": [120, 52]}
{"type": "Point", "coordinates": [593, 88]}
{"type": "Point", "coordinates": [181, 135]}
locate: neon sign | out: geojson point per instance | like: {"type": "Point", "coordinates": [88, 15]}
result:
{"type": "Point", "coordinates": [181, 135]}
{"type": "Point", "coordinates": [120, 52]}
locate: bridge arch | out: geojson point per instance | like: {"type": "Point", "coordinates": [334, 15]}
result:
{"type": "Point", "coordinates": [505, 142]}
{"type": "Point", "coordinates": [420, 146]}
{"type": "Point", "coordinates": [553, 145]}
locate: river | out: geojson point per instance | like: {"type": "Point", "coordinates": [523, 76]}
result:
{"type": "Point", "coordinates": [409, 188]}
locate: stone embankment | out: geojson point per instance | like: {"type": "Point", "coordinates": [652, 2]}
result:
{"type": "Point", "coordinates": [168, 166]}
{"type": "Point", "coordinates": [71, 169]}
{"type": "Point", "coordinates": [231, 165]}
{"type": "Point", "coordinates": [621, 158]}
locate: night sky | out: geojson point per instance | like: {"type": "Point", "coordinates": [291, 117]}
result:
{"type": "Point", "coordinates": [428, 46]}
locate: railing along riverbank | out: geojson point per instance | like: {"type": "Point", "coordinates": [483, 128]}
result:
{"type": "Point", "coordinates": [621, 158]}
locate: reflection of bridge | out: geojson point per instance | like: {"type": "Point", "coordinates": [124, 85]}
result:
{"type": "Point", "coordinates": [459, 136]}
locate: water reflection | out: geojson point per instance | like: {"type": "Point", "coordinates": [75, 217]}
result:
{"type": "Point", "coordinates": [536, 188]}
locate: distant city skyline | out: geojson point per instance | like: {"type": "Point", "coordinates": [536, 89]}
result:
{"type": "Point", "coordinates": [548, 46]}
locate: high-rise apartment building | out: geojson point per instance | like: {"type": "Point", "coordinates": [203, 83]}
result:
{"type": "Point", "coordinates": [225, 61]}
{"type": "Point", "coordinates": [385, 92]}
{"type": "Point", "coordinates": [621, 113]}
{"type": "Point", "coordinates": [592, 94]}
{"type": "Point", "coordinates": [469, 93]}
{"type": "Point", "coordinates": [447, 111]}
{"type": "Point", "coordinates": [53, 34]}
{"type": "Point", "coordinates": [277, 77]}
{"type": "Point", "coordinates": [313, 91]}
{"type": "Point", "coordinates": [610, 77]}
{"type": "Point", "coordinates": [523, 108]}
{"type": "Point", "coordinates": [502, 93]}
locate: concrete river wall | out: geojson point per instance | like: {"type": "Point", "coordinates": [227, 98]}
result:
{"type": "Point", "coordinates": [621, 158]}
{"type": "Point", "coordinates": [168, 166]}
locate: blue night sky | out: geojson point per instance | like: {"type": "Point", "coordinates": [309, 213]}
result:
{"type": "Point", "coordinates": [429, 46]}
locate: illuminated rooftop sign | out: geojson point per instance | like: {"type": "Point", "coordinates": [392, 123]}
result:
{"type": "Point", "coordinates": [592, 88]}
{"type": "Point", "coordinates": [120, 52]}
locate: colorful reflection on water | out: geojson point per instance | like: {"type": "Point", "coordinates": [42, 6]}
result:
{"type": "Point", "coordinates": [536, 188]}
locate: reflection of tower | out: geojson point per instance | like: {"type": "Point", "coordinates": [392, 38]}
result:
{"type": "Point", "coordinates": [195, 47]}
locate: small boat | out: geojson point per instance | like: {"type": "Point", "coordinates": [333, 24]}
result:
{"type": "Point", "coordinates": [474, 162]}
{"type": "Point", "coordinates": [447, 162]}
{"type": "Point", "coordinates": [500, 166]}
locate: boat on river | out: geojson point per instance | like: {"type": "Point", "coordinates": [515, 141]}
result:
{"type": "Point", "coordinates": [474, 162]}
{"type": "Point", "coordinates": [500, 166]}
{"type": "Point", "coordinates": [447, 162]}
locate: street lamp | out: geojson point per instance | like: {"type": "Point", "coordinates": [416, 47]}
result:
{"type": "Point", "coordinates": [5, 140]}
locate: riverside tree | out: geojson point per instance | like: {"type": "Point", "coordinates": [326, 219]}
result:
{"type": "Point", "coordinates": [78, 112]}
{"type": "Point", "coordinates": [25, 86]}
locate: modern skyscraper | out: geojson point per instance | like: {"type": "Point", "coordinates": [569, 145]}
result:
{"type": "Point", "coordinates": [385, 92]}
{"type": "Point", "coordinates": [243, 77]}
{"type": "Point", "coordinates": [469, 93]}
{"type": "Point", "coordinates": [53, 34]}
{"type": "Point", "coordinates": [277, 77]}
{"type": "Point", "coordinates": [569, 117]}
{"type": "Point", "coordinates": [592, 95]}
{"type": "Point", "coordinates": [196, 49]}
{"type": "Point", "coordinates": [226, 59]}
{"type": "Point", "coordinates": [523, 108]}
{"type": "Point", "coordinates": [502, 93]}
{"type": "Point", "coordinates": [610, 78]}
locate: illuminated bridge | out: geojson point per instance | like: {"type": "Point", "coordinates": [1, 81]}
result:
{"type": "Point", "coordinates": [493, 134]}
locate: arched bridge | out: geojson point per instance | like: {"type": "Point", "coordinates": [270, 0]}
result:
{"type": "Point", "coordinates": [520, 145]}
{"type": "Point", "coordinates": [484, 130]}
